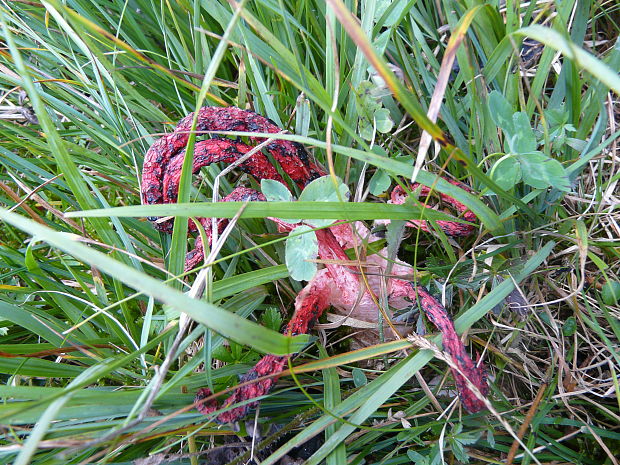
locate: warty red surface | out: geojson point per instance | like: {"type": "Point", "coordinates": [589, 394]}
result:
{"type": "Point", "coordinates": [335, 285]}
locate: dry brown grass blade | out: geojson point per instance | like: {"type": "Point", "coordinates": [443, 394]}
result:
{"type": "Point", "coordinates": [31, 193]}
{"type": "Point", "coordinates": [13, 195]}
{"type": "Point", "coordinates": [442, 83]}
{"type": "Point", "coordinates": [526, 423]}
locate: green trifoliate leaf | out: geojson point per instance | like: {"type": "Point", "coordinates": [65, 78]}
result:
{"type": "Point", "coordinates": [541, 171]}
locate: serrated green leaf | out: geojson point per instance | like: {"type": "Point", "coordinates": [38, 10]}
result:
{"type": "Point", "coordinates": [223, 354]}
{"type": "Point", "coordinates": [272, 318]}
{"type": "Point", "coordinates": [459, 452]}
{"type": "Point", "coordinates": [467, 438]}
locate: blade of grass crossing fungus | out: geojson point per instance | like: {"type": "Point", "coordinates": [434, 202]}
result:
{"type": "Point", "coordinates": [482, 211]}
{"type": "Point", "coordinates": [304, 210]}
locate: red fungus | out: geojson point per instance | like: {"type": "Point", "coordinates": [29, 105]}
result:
{"type": "Point", "coordinates": [335, 285]}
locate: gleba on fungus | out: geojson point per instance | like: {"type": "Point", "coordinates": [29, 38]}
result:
{"type": "Point", "coordinates": [336, 285]}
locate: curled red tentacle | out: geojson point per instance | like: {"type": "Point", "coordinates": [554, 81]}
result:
{"type": "Point", "coordinates": [309, 305]}
{"type": "Point", "coordinates": [164, 161]}
{"type": "Point", "coordinates": [239, 194]}
{"type": "Point", "coordinates": [211, 151]}
{"type": "Point", "coordinates": [291, 156]}
{"type": "Point", "coordinates": [268, 365]}
{"type": "Point", "coordinates": [452, 228]}
{"type": "Point", "coordinates": [453, 346]}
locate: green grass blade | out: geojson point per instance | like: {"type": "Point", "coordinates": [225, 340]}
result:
{"type": "Point", "coordinates": [303, 210]}
{"type": "Point", "coordinates": [225, 323]}
{"type": "Point", "coordinates": [583, 59]}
